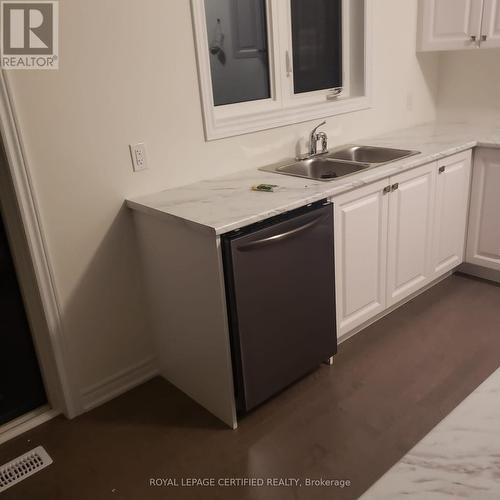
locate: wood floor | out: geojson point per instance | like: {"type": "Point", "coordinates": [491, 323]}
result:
{"type": "Point", "coordinates": [390, 386]}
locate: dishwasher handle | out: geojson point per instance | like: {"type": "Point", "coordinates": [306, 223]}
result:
{"type": "Point", "coordinates": [270, 240]}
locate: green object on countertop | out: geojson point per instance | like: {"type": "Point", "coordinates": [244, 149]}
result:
{"type": "Point", "coordinates": [267, 188]}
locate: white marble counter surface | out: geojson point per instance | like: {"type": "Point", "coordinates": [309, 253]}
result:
{"type": "Point", "coordinates": [460, 458]}
{"type": "Point", "coordinates": [226, 203]}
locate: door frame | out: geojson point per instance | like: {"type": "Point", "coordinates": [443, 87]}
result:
{"type": "Point", "coordinates": [35, 273]}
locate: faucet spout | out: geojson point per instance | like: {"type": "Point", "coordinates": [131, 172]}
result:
{"type": "Point", "coordinates": [314, 138]}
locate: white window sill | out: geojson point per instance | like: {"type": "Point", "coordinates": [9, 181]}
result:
{"type": "Point", "coordinates": [221, 127]}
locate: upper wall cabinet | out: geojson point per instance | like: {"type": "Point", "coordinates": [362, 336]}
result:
{"type": "Point", "coordinates": [458, 24]}
{"type": "Point", "coordinates": [490, 33]}
{"type": "Point", "coordinates": [449, 24]}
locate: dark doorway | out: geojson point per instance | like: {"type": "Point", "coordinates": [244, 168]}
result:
{"type": "Point", "coordinates": [21, 386]}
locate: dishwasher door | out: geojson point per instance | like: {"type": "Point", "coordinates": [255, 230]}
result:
{"type": "Point", "coordinates": [280, 283]}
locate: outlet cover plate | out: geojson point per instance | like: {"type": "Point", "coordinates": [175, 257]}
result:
{"type": "Point", "coordinates": [138, 154]}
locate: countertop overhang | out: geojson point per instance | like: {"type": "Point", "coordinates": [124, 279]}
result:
{"type": "Point", "coordinates": [223, 204]}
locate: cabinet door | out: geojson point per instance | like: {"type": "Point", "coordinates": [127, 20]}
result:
{"type": "Point", "coordinates": [450, 223]}
{"type": "Point", "coordinates": [483, 244]}
{"type": "Point", "coordinates": [449, 24]}
{"type": "Point", "coordinates": [491, 24]}
{"type": "Point", "coordinates": [411, 209]}
{"type": "Point", "coordinates": [360, 254]}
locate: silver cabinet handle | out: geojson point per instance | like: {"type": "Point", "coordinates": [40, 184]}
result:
{"type": "Point", "coordinates": [395, 186]}
{"type": "Point", "coordinates": [475, 40]}
{"type": "Point", "coordinates": [387, 190]}
{"type": "Point", "coordinates": [442, 170]}
{"type": "Point", "coordinates": [280, 237]}
{"type": "Point", "coordinates": [288, 64]}
{"type": "Point", "coordinates": [484, 38]}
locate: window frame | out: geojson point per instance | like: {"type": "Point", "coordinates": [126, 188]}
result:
{"type": "Point", "coordinates": [289, 97]}
{"type": "Point", "coordinates": [283, 107]}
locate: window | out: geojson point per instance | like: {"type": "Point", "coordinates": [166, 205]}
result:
{"type": "Point", "coordinates": [237, 40]}
{"type": "Point", "coordinates": [316, 44]}
{"type": "Point", "coordinates": [269, 63]}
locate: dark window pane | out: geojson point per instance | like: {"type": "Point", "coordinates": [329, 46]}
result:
{"type": "Point", "coordinates": [237, 40]}
{"type": "Point", "coordinates": [317, 44]}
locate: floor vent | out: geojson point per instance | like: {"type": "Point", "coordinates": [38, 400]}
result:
{"type": "Point", "coordinates": [22, 467]}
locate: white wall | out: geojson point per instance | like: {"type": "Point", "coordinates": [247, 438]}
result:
{"type": "Point", "coordinates": [128, 74]}
{"type": "Point", "coordinates": [469, 86]}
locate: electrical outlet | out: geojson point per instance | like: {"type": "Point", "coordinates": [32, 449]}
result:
{"type": "Point", "coordinates": [138, 154]}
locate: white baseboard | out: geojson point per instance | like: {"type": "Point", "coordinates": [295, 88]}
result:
{"type": "Point", "coordinates": [26, 422]}
{"type": "Point", "coordinates": [480, 272]}
{"type": "Point", "coordinates": [118, 384]}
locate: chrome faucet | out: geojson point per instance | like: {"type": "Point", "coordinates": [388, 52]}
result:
{"type": "Point", "coordinates": [313, 143]}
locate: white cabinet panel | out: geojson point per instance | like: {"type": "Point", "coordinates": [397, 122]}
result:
{"type": "Point", "coordinates": [483, 244]}
{"type": "Point", "coordinates": [396, 236]}
{"type": "Point", "coordinates": [360, 254]}
{"type": "Point", "coordinates": [449, 24]}
{"type": "Point", "coordinates": [411, 212]}
{"type": "Point", "coordinates": [452, 198]}
{"type": "Point", "coordinates": [491, 24]}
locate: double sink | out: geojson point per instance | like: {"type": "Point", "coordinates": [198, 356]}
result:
{"type": "Point", "coordinates": [341, 161]}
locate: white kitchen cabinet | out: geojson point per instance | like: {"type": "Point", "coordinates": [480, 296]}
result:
{"type": "Point", "coordinates": [490, 31]}
{"type": "Point", "coordinates": [450, 222]}
{"type": "Point", "coordinates": [411, 212]}
{"type": "Point", "coordinates": [398, 235]}
{"type": "Point", "coordinates": [449, 24]}
{"type": "Point", "coordinates": [483, 244]}
{"type": "Point", "coordinates": [361, 218]}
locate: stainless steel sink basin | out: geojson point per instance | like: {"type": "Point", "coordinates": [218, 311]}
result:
{"type": "Point", "coordinates": [320, 169]}
{"type": "Point", "coordinates": [339, 162]}
{"type": "Point", "coordinates": [369, 155]}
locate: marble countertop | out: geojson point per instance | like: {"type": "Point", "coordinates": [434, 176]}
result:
{"type": "Point", "coordinates": [460, 458]}
{"type": "Point", "coordinates": [222, 204]}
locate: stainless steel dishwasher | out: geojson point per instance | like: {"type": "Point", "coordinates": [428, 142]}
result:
{"type": "Point", "coordinates": [280, 288]}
